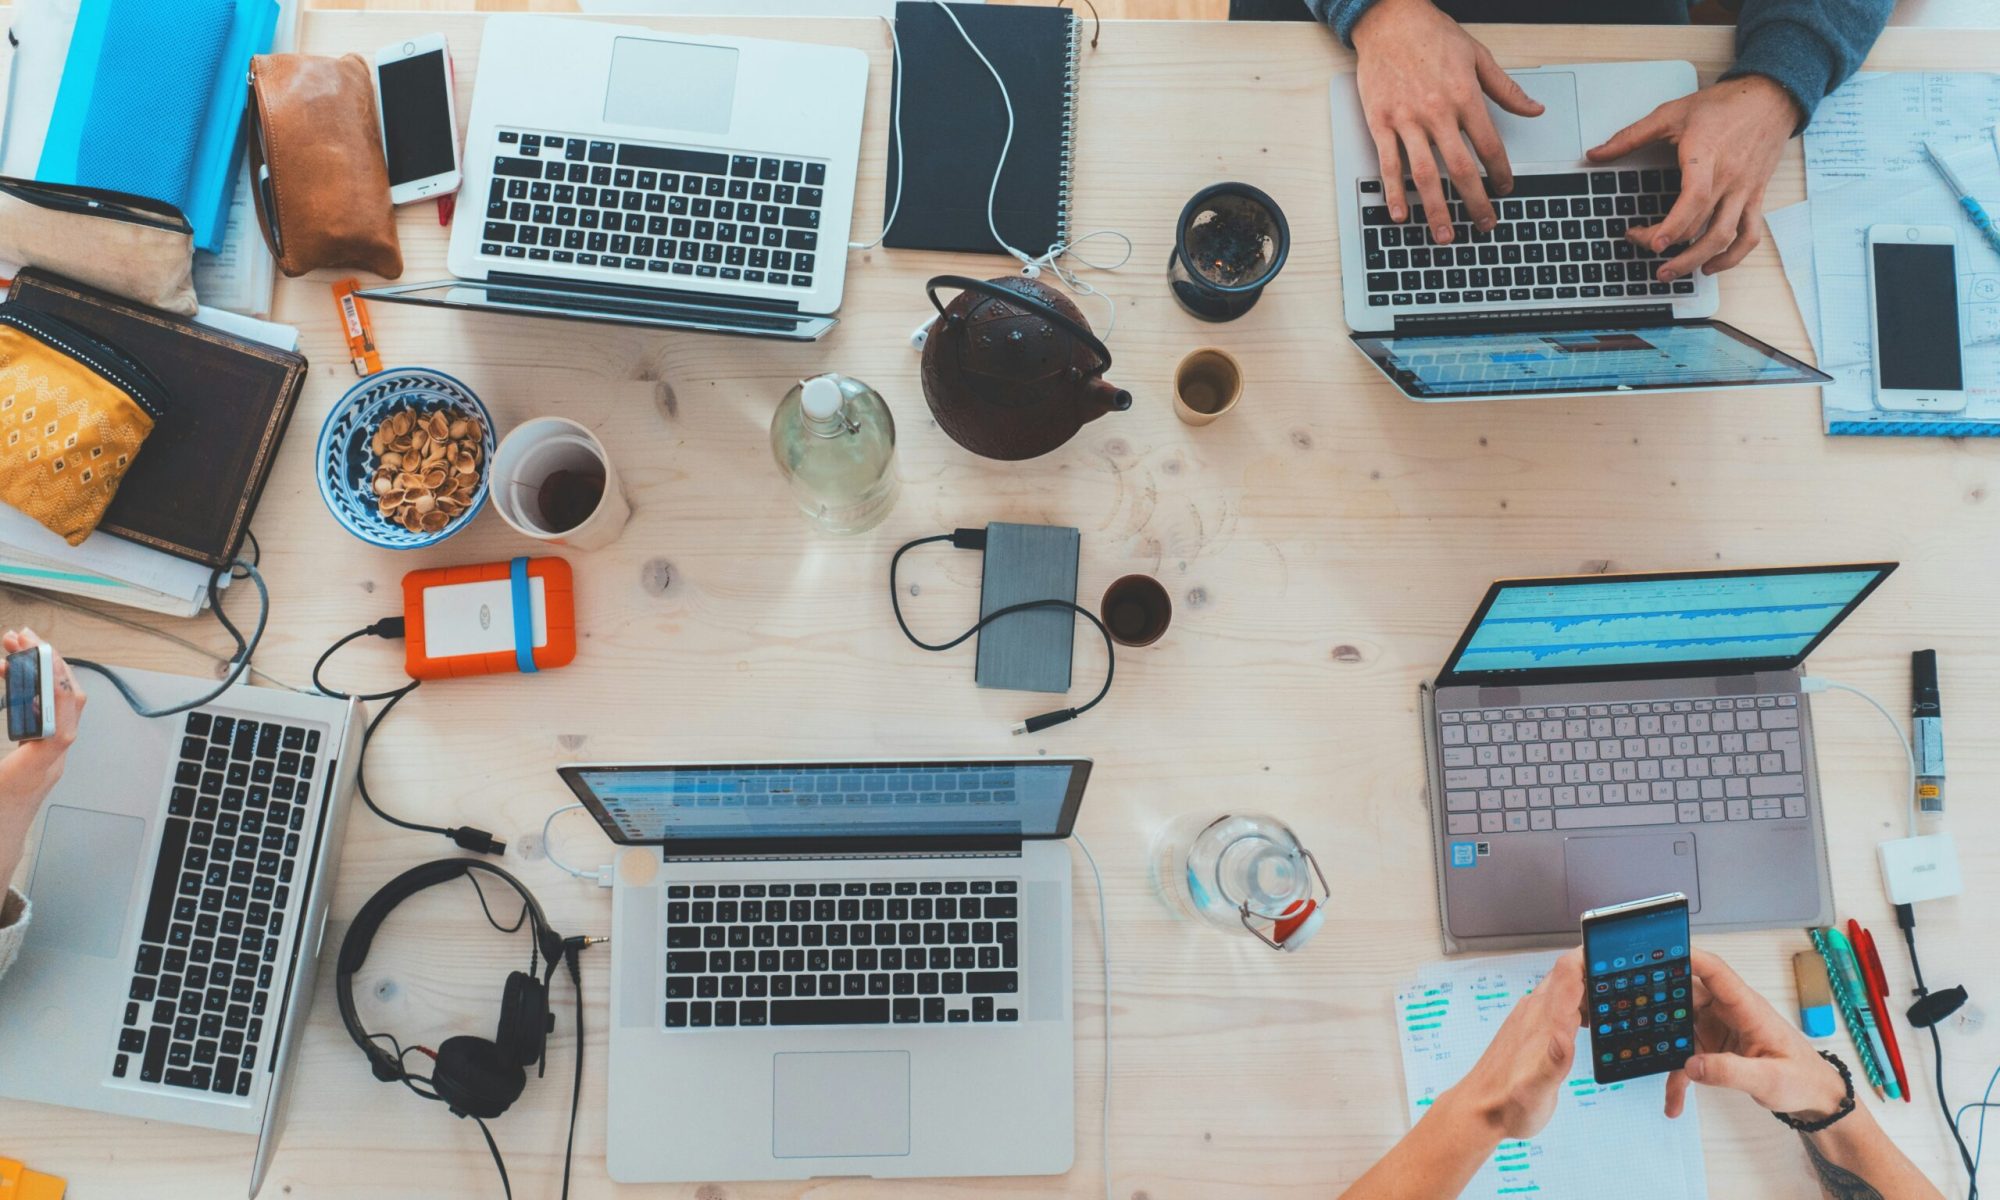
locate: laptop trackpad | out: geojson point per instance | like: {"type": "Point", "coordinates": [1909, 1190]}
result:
{"type": "Point", "coordinates": [840, 1105]}
{"type": "Point", "coordinates": [1555, 136]}
{"type": "Point", "coordinates": [1620, 867]}
{"type": "Point", "coordinates": [83, 879]}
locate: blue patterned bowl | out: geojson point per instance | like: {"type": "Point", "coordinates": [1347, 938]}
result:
{"type": "Point", "coordinates": [346, 464]}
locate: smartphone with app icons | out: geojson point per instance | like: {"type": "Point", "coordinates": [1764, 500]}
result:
{"type": "Point", "coordinates": [1638, 990]}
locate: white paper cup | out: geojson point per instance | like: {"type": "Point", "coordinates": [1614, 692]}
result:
{"type": "Point", "coordinates": [537, 449]}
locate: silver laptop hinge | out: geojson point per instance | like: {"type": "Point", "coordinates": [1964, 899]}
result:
{"type": "Point", "coordinates": [855, 857]}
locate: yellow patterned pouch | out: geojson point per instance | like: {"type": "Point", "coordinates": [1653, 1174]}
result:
{"type": "Point", "coordinates": [74, 411]}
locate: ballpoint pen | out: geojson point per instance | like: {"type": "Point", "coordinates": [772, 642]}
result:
{"type": "Point", "coordinates": [1973, 209]}
{"type": "Point", "coordinates": [1878, 998]}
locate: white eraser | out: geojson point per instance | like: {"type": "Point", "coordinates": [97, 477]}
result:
{"type": "Point", "coordinates": [1916, 869]}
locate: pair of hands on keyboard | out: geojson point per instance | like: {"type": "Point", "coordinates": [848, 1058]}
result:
{"type": "Point", "coordinates": [30, 770]}
{"type": "Point", "coordinates": [1424, 81]}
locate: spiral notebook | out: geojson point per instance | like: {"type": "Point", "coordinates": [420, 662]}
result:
{"type": "Point", "coordinates": [954, 124]}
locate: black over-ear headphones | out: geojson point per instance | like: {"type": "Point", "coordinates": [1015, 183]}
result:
{"type": "Point", "coordinates": [473, 1076]}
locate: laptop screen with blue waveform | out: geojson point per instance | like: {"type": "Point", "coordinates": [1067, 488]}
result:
{"type": "Point", "coordinates": [1764, 619]}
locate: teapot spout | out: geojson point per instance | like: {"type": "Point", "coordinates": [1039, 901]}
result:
{"type": "Point", "coordinates": [1101, 396]}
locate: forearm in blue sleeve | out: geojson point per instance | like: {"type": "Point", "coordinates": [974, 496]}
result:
{"type": "Point", "coordinates": [1807, 47]}
{"type": "Point", "coordinates": [1340, 15]}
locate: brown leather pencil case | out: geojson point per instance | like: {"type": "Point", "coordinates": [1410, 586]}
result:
{"type": "Point", "coordinates": [316, 165]}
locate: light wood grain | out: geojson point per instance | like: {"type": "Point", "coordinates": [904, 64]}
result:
{"type": "Point", "coordinates": [1324, 545]}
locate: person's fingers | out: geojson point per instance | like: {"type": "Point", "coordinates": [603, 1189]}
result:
{"type": "Point", "coordinates": [1496, 83]}
{"type": "Point", "coordinates": [1465, 174]}
{"type": "Point", "coordinates": [1749, 232]}
{"type": "Point", "coordinates": [1430, 188]}
{"type": "Point", "coordinates": [10, 642]}
{"type": "Point", "coordinates": [1491, 150]}
{"type": "Point", "coordinates": [1690, 212]}
{"type": "Point", "coordinates": [1754, 1077]}
{"type": "Point", "coordinates": [29, 638]}
{"type": "Point", "coordinates": [1716, 977]}
{"type": "Point", "coordinates": [1677, 1090]}
{"type": "Point", "coordinates": [1390, 153]}
{"type": "Point", "coordinates": [1642, 132]}
{"type": "Point", "coordinates": [1721, 232]}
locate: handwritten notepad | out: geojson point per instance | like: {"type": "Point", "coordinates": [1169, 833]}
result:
{"type": "Point", "coordinates": [1600, 1133]}
{"type": "Point", "coordinates": [1864, 165]}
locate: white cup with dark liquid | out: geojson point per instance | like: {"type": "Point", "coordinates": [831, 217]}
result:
{"type": "Point", "coordinates": [553, 480]}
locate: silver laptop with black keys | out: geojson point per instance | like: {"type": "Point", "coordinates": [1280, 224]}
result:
{"type": "Point", "coordinates": [848, 968]}
{"type": "Point", "coordinates": [1599, 737]}
{"type": "Point", "coordinates": [631, 175]}
{"type": "Point", "coordinates": [180, 890]}
{"type": "Point", "coordinates": [1554, 299]}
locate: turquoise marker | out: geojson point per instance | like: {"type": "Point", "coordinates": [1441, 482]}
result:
{"type": "Point", "coordinates": [1857, 993]}
{"type": "Point", "coordinates": [1980, 220]}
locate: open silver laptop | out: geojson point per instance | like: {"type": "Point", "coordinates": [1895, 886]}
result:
{"type": "Point", "coordinates": [865, 966]}
{"type": "Point", "coordinates": [180, 890]}
{"type": "Point", "coordinates": [1595, 738]}
{"type": "Point", "coordinates": [1554, 300]}
{"type": "Point", "coordinates": [623, 174]}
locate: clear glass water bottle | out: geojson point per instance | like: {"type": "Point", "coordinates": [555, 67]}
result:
{"type": "Point", "coordinates": [835, 440]}
{"type": "Point", "coordinates": [1241, 873]}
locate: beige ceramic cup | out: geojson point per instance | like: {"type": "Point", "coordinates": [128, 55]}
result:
{"type": "Point", "coordinates": [1207, 384]}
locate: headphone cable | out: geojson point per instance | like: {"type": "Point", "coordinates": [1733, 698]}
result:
{"type": "Point", "coordinates": [505, 1186]}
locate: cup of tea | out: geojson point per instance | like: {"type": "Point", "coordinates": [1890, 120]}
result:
{"type": "Point", "coordinates": [1207, 384]}
{"type": "Point", "coordinates": [1136, 610]}
{"type": "Point", "coordinates": [553, 480]}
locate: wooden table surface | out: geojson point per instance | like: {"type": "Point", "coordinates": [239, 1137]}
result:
{"type": "Point", "coordinates": [1324, 545]}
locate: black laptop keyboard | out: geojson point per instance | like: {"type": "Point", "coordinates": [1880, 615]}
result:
{"type": "Point", "coordinates": [843, 953]}
{"type": "Point", "coordinates": [654, 210]}
{"type": "Point", "coordinates": [1559, 237]}
{"type": "Point", "coordinates": [228, 854]}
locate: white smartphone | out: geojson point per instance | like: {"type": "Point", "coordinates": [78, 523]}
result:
{"type": "Point", "coordinates": [413, 96]}
{"type": "Point", "coordinates": [31, 694]}
{"type": "Point", "coordinates": [1913, 296]}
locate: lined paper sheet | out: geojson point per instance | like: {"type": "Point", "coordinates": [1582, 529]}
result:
{"type": "Point", "coordinates": [1446, 1017]}
{"type": "Point", "coordinates": [1875, 124]}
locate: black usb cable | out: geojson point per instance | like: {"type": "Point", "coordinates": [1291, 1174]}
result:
{"type": "Point", "coordinates": [975, 539]}
{"type": "Point", "coordinates": [466, 837]}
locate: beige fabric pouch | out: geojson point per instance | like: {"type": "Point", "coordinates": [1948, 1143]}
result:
{"type": "Point", "coordinates": [138, 249]}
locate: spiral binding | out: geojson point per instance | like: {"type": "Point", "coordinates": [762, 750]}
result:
{"type": "Point", "coordinates": [1064, 167]}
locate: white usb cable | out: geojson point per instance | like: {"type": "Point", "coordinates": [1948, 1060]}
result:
{"type": "Point", "coordinates": [1104, 939]}
{"type": "Point", "coordinates": [1809, 683]}
{"type": "Point", "coordinates": [601, 876]}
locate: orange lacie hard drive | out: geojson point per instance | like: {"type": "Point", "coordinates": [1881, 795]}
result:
{"type": "Point", "coordinates": [489, 619]}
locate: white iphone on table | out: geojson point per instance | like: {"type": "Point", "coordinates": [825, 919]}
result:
{"type": "Point", "coordinates": [413, 97]}
{"type": "Point", "coordinates": [1913, 299]}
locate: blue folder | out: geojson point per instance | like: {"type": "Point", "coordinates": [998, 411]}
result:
{"type": "Point", "coordinates": [152, 99]}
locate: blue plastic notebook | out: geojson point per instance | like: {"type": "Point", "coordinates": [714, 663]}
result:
{"type": "Point", "coordinates": [152, 101]}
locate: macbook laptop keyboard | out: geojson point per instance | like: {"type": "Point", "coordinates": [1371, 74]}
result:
{"type": "Point", "coordinates": [229, 851]}
{"type": "Point", "coordinates": [842, 953]}
{"type": "Point", "coordinates": [653, 211]}
{"type": "Point", "coordinates": [1559, 237]}
{"type": "Point", "coordinates": [1663, 762]}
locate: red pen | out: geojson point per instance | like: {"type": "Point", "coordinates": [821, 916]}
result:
{"type": "Point", "coordinates": [1878, 997]}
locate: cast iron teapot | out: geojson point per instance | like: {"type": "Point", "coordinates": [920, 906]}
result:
{"type": "Point", "coordinates": [1011, 368]}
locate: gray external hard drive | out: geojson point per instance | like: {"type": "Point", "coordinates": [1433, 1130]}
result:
{"type": "Point", "coordinates": [1028, 651]}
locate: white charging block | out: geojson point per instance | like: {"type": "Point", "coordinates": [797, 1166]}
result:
{"type": "Point", "coordinates": [1915, 869]}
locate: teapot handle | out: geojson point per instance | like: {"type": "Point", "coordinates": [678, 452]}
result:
{"type": "Point", "coordinates": [1034, 304]}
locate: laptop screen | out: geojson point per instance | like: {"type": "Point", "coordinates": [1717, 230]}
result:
{"type": "Point", "coordinates": [1616, 626]}
{"type": "Point", "coordinates": [1470, 364]}
{"type": "Point", "coordinates": [764, 806]}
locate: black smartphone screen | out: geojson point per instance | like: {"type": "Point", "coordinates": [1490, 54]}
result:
{"type": "Point", "coordinates": [24, 695]}
{"type": "Point", "coordinates": [416, 118]}
{"type": "Point", "coordinates": [1916, 316]}
{"type": "Point", "coordinates": [1638, 993]}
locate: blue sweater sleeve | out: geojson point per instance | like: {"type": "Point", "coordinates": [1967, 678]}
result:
{"type": "Point", "coordinates": [1341, 15]}
{"type": "Point", "coordinates": [1807, 47]}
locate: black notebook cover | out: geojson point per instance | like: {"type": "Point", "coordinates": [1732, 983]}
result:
{"type": "Point", "coordinates": [195, 484]}
{"type": "Point", "coordinates": [954, 123]}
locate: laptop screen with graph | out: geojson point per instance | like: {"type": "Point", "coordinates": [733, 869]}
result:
{"type": "Point", "coordinates": [1627, 626]}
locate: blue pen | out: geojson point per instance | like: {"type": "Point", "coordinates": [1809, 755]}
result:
{"type": "Point", "coordinates": [1980, 220]}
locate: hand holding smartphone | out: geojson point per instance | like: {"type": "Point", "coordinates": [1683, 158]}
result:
{"type": "Point", "coordinates": [31, 694]}
{"type": "Point", "coordinates": [1638, 990]}
{"type": "Point", "coordinates": [413, 99]}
